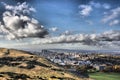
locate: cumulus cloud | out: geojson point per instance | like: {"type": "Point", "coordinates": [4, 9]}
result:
{"type": "Point", "coordinates": [106, 40]}
{"type": "Point", "coordinates": [23, 8]}
{"type": "Point", "coordinates": [86, 9]}
{"type": "Point", "coordinates": [17, 24]}
{"type": "Point", "coordinates": [109, 37]}
{"type": "Point", "coordinates": [62, 39]}
{"type": "Point", "coordinates": [83, 38]}
{"type": "Point", "coordinates": [111, 16]}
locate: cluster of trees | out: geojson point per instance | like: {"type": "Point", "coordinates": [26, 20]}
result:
{"type": "Point", "coordinates": [115, 68]}
{"type": "Point", "coordinates": [85, 69]}
{"type": "Point", "coordinates": [109, 59]}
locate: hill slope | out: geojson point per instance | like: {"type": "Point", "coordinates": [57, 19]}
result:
{"type": "Point", "coordinates": [15, 64]}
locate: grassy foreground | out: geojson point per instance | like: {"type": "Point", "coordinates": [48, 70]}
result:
{"type": "Point", "coordinates": [21, 65]}
{"type": "Point", "coordinates": [105, 76]}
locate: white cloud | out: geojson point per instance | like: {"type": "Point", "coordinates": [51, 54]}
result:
{"type": "Point", "coordinates": [87, 39]}
{"type": "Point", "coordinates": [99, 5]}
{"type": "Point", "coordinates": [114, 22]}
{"type": "Point", "coordinates": [106, 6]}
{"type": "Point", "coordinates": [18, 25]}
{"type": "Point", "coordinates": [86, 10]}
{"type": "Point", "coordinates": [95, 4]}
{"type": "Point", "coordinates": [61, 39]}
{"type": "Point", "coordinates": [20, 8]}
{"type": "Point", "coordinates": [112, 15]}
{"type": "Point", "coordinates": [54, 29]}
{"type": "Point", "coordinates": [67, 32]}
{"type": "Point", "coordinates": [107, 40]}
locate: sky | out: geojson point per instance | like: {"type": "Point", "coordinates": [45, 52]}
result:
{"type": "Point", "coordinates": [63, 24]}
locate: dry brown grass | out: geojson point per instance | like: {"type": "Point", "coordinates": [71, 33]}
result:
{"type": "Point", "coordinates": [40, 68]}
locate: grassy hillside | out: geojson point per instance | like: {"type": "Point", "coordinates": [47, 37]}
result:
{"type": "Point", "coordinates": [105, 76]}
{"type": "Point", "coordinates": [21, 65]}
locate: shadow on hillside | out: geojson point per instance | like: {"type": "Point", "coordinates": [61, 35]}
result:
{"type": "Point", "coordinates": [31, 64]}
{"type": "Point", "coordinates": [60, 70]}
{"type": "Point", "coordinates": [15, 76]}
{"type": "Point", "coordinates": [16, 61]}
{"type": "Point", "coordinates": [10, 61]}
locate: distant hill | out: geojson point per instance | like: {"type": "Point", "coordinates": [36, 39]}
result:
{"type": "Point", "coordinates": [87, 51]}
{"type": "Point", "coordinates": [22, 65]}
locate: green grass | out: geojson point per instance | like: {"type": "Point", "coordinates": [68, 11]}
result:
{"type": "Point", "coordinates": [105, 76]}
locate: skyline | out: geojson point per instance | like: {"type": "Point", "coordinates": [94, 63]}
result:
{"type": "Point", "coordinates": [65, 24]}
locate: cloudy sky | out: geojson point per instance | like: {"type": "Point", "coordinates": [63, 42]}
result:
{"type": "Point", "coordinates": [63, 24]}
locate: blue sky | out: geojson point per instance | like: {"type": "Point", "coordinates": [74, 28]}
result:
{"type": "Point", "coordinates": [71, 17]}
{"type": "Point", "coordinates": [64, 14]}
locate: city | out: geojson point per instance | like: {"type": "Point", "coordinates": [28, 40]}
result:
{"type": "Point", "coordinates": [81, 62]}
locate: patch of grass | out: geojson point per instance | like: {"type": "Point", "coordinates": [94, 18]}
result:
{"type": "Point", "coordinates": [105, 76]}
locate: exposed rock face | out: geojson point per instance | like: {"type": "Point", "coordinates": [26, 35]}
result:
{"type": "Point", "coordinates": [21, 65]}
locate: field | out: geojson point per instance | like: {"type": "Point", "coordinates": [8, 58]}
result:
{"type": "Point", "coordinates": [105, 76]}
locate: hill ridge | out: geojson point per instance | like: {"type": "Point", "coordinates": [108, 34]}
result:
{"type": "Point", "coordinates": [23, 65]}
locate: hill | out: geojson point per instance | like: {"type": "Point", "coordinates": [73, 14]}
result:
{"type": "Point", "coordinates": [22, 65]}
